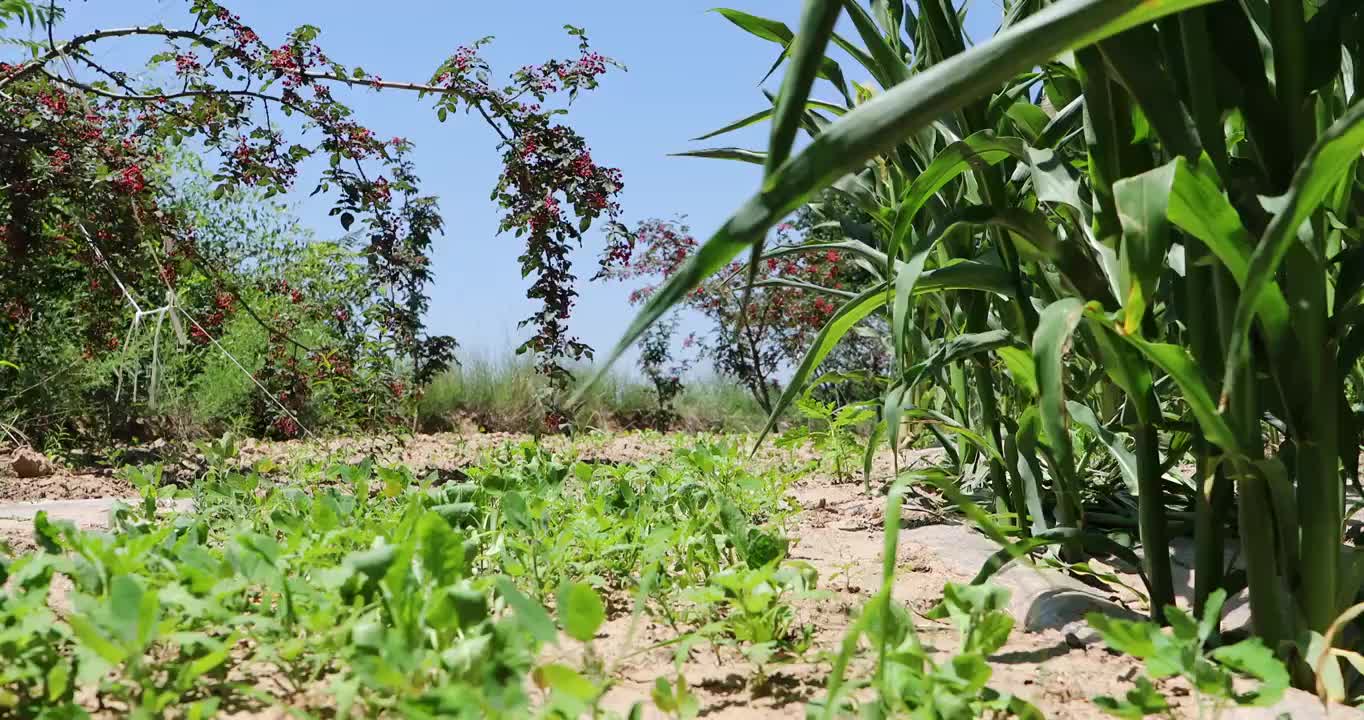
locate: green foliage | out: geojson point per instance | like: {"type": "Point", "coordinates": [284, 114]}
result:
{"type": "Point", "coordinates": [399, 596]}
{"type": "Point", "coordinates": [1112, 241]}
{"type": "Point", "coordinates": [1218, 675]}
{"type": "Point", "coordinates": [831, 430]}
{"type": "Point", "coordinates": [909, 681]}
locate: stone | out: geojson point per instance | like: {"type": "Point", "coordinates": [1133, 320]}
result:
{"type": "Point", "coordinates": [25, 463]}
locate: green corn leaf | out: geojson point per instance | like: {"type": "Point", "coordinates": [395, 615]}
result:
{"type": "Point", "coordinates": [770, 30]}
{"type": "Point", "coordinates": [777, 32]}
{"type": "Point", "coordinates": [1184, 371]}
{"type": "Point", "coordinates": [807, 52]}
{"type": "Point", "coordinates": [880, 124]}
{"type": "Point", "coordinates": [1055, 326]}
{"type": "Point", "coordinates": [1199, 207]}
{"type": "Point", "coordinates": [1019, 362]}
{"type": "Point", "coordinates": [890, 69]}
{"type": "Point", "coordinates": [891, 416]}
{"type": "Point", "coordinates": [976, 151]}
{"type": "Point", "coordinates": [1136, 61]}
{"type": "Point", "coordinates": [762, 115]}
{"type": "Point", "coordinates": [755, 157]}
{"type": "Point", "coordinates": [1321, 171]}
{"type": "Point", "coordinates": [1142, 204]}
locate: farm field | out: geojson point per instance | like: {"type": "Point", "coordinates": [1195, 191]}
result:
{"type": "Point", "coordinates": [872, 359]}
{"type": "Point", "coordinates": [488, 575]}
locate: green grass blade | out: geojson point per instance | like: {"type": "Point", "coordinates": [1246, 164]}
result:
{"type": "Point", "coordinates": [755, 157]}
{"type": "Point", "coordinates": [807, 53]}
{"type": "Point", "coordinates": [890, 68]}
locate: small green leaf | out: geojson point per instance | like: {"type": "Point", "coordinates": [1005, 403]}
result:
{"type": "Point", "coordinates": [580, 610]}
{"type": "Point", "coordinates": [530, 613]}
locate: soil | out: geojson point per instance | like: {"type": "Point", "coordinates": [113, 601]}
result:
{"type": "Point", "coordinates": [1051, 659]}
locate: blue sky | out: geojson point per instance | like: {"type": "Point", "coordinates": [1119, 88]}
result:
{"type": "Point", "coordinates": [689, 71]}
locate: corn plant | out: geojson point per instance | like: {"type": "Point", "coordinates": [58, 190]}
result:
{"type": "Point", "coordinates": [1114, 237]}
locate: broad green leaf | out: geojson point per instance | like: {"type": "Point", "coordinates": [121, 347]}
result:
{"type": "Point", "coordinates": [1199, 207]}
{"type": "Point", "coordinates": [580, 610]}
{"type": "Point", "coordinates": [442, 549]}
{"type": "Point", "coordinates": [516, 513]}
{"type": "Point", "coordinates": [1019, 362]}
{"type": "Point", "coordinates": [89, 634]}
{"type": "Point", "coordinates": [564, 679]}
{"type": "Point", "coordinates": [1055, 181]}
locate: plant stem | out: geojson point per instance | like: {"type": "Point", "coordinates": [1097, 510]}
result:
{"type": "Point", "coordinates": [1151, 519]}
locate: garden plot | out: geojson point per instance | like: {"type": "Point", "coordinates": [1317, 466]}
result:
{"type": "Point", "coordinates": [312, 586]}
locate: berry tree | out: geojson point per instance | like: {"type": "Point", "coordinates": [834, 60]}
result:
{"type": "Point", "coordinates": [81, 143]}
{"type": "Point", "coordinates": [789, 304]}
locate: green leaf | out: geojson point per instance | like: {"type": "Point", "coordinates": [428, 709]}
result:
{"type": "Point", "coordinates": [1140, 701]}
{"type": "Point", "coordinates": [91, 637]}
{"type": "Point", "coordinates": [980, 150]}
{"type": "Point", "coordinates": [580, 610]}
{"type": "Point", "coordinates": [755, 157]}
{"type": "Point", "coordinates": [1142, 204]}
{"type": "Point", "coordinates": [1199, 207]}
{"type": "Point", "coordinates": [1181, 367]}
{"type": "Point", "coordinates": [1324, 167]}
{"type": "Point", "coordinates": [1019, 362]}
{"type": "Point", "coordinates": [564, 679]}
{"type": "Point", "coordinates": [807, 53]}
{"type": "Point", "coordinates": [516, 513]}
{"type": "Point", "coordinates": [1251, 658]}
{"type": "Point", "coordinates": [771, 30]}
{"type": "Point", "coordinates": [1055, 326]}
{"type": "Point", "coordinates": [763, 115]}
{"type": "Point", "coordinates": [531, 614]}
{"type": "Point", "coordinates": [441, 549]}
{"type": "Point", "coordinates": [1127, 462]}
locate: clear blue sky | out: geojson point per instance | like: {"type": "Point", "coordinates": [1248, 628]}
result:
{"type": "Point", "coordinates": [690, 71]}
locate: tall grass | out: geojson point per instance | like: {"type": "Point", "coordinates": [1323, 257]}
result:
{"type": "Point", "coordinates": [503, 393]}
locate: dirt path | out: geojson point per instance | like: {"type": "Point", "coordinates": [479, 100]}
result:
{"type": "Point", "coordinates": [1052, 660]}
